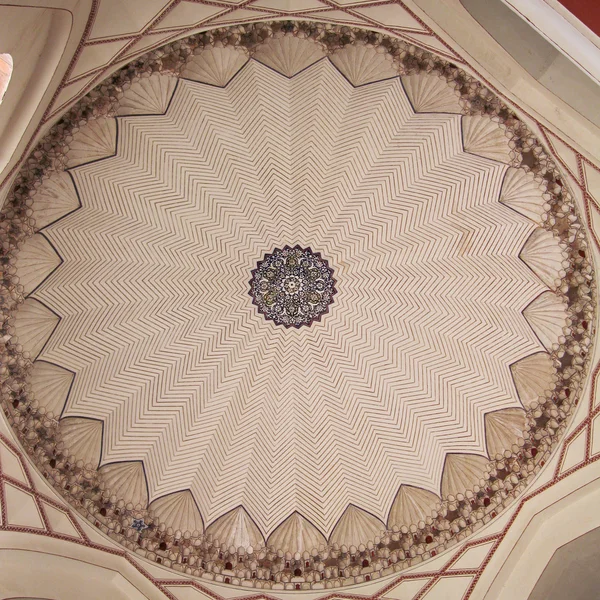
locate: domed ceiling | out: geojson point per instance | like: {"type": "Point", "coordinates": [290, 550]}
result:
{"type": "Point", "coordinates": [292, 303]}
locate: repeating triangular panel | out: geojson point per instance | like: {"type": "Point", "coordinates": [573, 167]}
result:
{"type": "Point", "coordinates": [429, 93]}
{"type": "Point", "coordinates": [60, 522]}
{"type": "Point", "coordinates": [35, 261]}
{"type": "Point", "coordinates": [391, 15]}
{"type": "Point", "coordinates": [83, 438]}
{"type": "Point", "coordinates": [236, 529]}
{"type": "Point", "coordinates": [547, 316]}
{"type": "Point", "coordinates": [127, 480]}
{"type": "Point", "coordinates": [95, 140]}
{"type": "Point", "coordinates": [545, 256]}
{"type": "Point", "coordinates": [289, 54]}
{"type": "Point", "coordinates": [179, 511]}
{"type": "Point", "coordinates": [34, 324]}
{"type": "Point", "coordinates": [566, 154]}
{"type": "Point", "coordinates": [412, 505]}
{"type": "Point", "coordinates": [55, 198]}
{"type": "Point", "coordinates": [407, 589]}
{"type": "Point", "coordinates": [11, 465]}
{"type": "Point", "coordinates": [533, 375]}
{"type": "Point", "coordinates": [362, 64]}
{"type": "Point", "coordinates": [575, 452]}
{"type": "Point", "coordinates": [473, 557]}
{"type": "Point", "coordinates": [21, 508]}
{"type": "Point", "coordinates": [215, 66]}
{"type": "Point", "coordinates": [462, 472]}
{"type": "Point", "coordinates": [355, 526]}
{"type": "Point", "coordinates": [149, 95]}
{"type": "Point", "coordinates": [485, 138]}
{"type": "Point", "coordinates": [296, 534]}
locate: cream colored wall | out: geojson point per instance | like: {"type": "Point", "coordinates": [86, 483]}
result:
{"type": "Point", "coordinates": [36, 39]}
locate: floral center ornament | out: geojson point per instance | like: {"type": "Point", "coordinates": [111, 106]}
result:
{"type": "Point", "coordinates": [292, 287]}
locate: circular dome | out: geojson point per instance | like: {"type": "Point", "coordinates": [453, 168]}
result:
{"type": "Point", "coordinates": [175, 361]}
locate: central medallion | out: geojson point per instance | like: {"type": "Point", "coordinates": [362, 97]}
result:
{"type": "Point", "coordinates": [292, 287]}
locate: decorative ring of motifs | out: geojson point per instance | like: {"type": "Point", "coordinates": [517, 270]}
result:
{"type": "Point", "coordinates": [507, 475]}
{"type": "Point", "coordinates": [292, 287]}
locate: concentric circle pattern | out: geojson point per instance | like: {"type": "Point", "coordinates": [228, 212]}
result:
{"type": "Point", "coordinates": [194, 414]}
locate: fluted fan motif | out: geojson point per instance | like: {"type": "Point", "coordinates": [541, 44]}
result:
{"type": "Point", "coordinates": [236, 529]}
{"type": "Point", "coordinates": [355, 527]}
{"type": "Point", "coordinates": [503, 428]}
{"type": "Point", "coordinates": [95, 140]}
{"type": "Point", "coordinates": [289, 54]}
{"type": "Point", "coordinates": [215, 65]}
{"type": "Point", "coordinates": [462, 472]}
{"type": "Point", "coordinates": [524, 193]}
{"type": "Point", "coordinates": [149, 95]}
{"type": "Point", "coordinates": [35, 261]}
{"type": "Point", "coordinates": [127, 481]}
{"type": "Point", "coordinates": [545, 256]}
{"type": "Point", "coordinates": [193, 383]}
{"type": "Point", "coordinates": [485, 137]}
{"type": "Point", "coordinates": [533, 376]}
{"type": "Point", "coordinates": [296, 534]}
{"type": "Point", "coordinates": [362, 64]}
{"type": "Point", "coordinates": [547, 316]}
{"type": "Point", "coordinates": [34, 325]}
{"type": "Point", "coordinates": [50, 385]}
{"type": "Point", "coordinates": [83, 439]}
{"type": "Point", "coordinates": [412, 505]}
{"type": "Point", "coordinates": [431, 94]}
{"type": "Point", "coordinates": [54, 199]}
{"type": "Point", "coordinates": [179, 510]}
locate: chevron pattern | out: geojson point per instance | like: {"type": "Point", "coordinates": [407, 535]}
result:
{"type": "Point", "coordinates": [190, 381]}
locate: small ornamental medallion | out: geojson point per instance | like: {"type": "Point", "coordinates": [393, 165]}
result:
{"type": "Point", "coordinates": [293, 286]}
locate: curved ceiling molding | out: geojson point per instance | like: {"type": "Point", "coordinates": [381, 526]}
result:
{"type": "Point", "coordinates": [35, 261]}
{"type": "Point", "coordinates": [236, 530]}
{"type": "Point", "coordinates": [34, 324]}
{"type": "Point", "coordinates": [411, 505]}
{"type": "Point", "coordinates": [503, 428]}
{"type": "Point", "coordinates": [97, 139]}
{"type": "Point", "coordinates": [361, 64]}
{"type": "Point", "coordinates": [486, 138]}
{"type": "Point", "coordinates": [431, 94]}
{"type": "Point", "coordinates": [546, 257]}
{"type": "Point", "coordinates": [83, 439]}
{"type": "Point", "coordinates": [50, 385]}
{"type": "Point", "coordinates": [296, 534]}
{"type": "Point", "coordinates": [180, 511]}
{"type": "Point", "coordinates": [55, 198]}
{"type": "Point", "coordinates": [356, 527]}
{"type": "Point", "coordinates": [215, 65]}
{"type": "Point", "coordinates": [148, 96]}
{"type": "Point", "coordinates": [126, 480]}
{"type": "Point", "coordinates": [462, 472]}
{"type": "Point", "coordinates": [534, 376]}
{"type": "Point", "coordinates": [525, 194]}
{"type": "Point", "coordinates": [547, 315]}
{"type": "Point", "coordinates": [289, 54]}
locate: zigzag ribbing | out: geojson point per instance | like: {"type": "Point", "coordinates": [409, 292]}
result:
{"type": "Point", "coordinates": [169, 352]}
